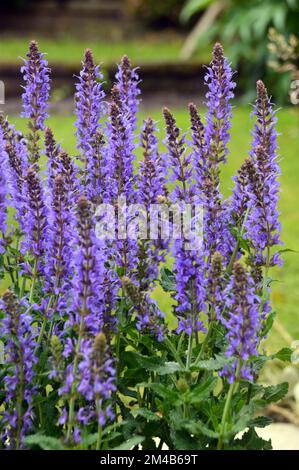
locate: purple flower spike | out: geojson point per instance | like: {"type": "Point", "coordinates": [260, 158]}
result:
{"type": "Point", "coordinates": [97, 376]}
{"type": "Point", "coordinates": [58, 269]}
{"type": "Point", "coordinates": [127, 81]}
{"type": "Point", "coordinates": [89, 272]}
{"type": "Point", "coordinates": [220, 84]}
{"type": "Point", "coordinates": [52, 151]}
{"type": "Point", "coordinates": [3, 190]}
{"type": "Point", "coordinates": [35, 224]}
{"type": "Point", "coordinates": [242, 322]}
{"type": "Point", "coordinates": [89, 107]}
{"type": "Point", "coordinates": [37, 89]}
{"type": "Point", "coordinates": [263, 226]}
{"type": "Point", "coordinates": [20, 354]}
{"type": "Point", "coordinates": [151, 189]}
{"type": "Point", "coordinates": [188, 264]}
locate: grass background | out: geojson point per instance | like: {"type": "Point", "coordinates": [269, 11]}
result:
{"type": "Point", "coordinates": [285, 287]}
{"type": "Point", "coordinates": [152, 49]}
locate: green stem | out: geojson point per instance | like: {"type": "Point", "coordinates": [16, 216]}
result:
{"type": "Point", "coordinates": [233, 257]}
{"type": "Point", "coordinates": [43, 327]}
{"type": "Point", "coordinates": [174, 352]}
{"type": "Point", "coordinates": [73, 389]}
{"type": "Point", "coordinates": [226, 409]}
{"type": "Point", "coordinates": [204, 343]}
{"type": "Point", "coordinates": [23, 287]}
{"type": "Point", "coordinates": [33, 280]}
{"type": "Point", "coordinates": [189, 351]}
{"type": "Point", "coordinates": [99, 438]}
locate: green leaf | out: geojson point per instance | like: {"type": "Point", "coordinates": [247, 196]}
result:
{"type": "Point", "coordinates": [201, 391]}
{"type": "Point", "coordinates": [275, 393]}
{"type": "Point", "coordinates": [284, 355]}
{"type": "Point", "coordinates": [169, 368]}
{"type": "Point", "coordinates": [167, 280]}
{"type": "Point", "coordinates": [192, 7]}
{"type": "Point", "coordinates": [147, 414]}
{"type": "Point", "coordinates": [243, 418]}
{"type": "Point", "coordinates": [44, 442]}
{"type": "Point", "coordinates": [128, 445]}
{"type": "Point", "coordinates": [268, 324]}
{"type": "Point", "coordinates": [216, 363]}
{"type": "Point", "coordinates": [164, 392]}
{"type": "Point", "coordinates": [260, 422]}
{"type": "Point", "coordinates": [132, 358]}
{"type": "Point", "coordinates": [199, 428]}
{"type": "Point", "coordinates": [251, 441]}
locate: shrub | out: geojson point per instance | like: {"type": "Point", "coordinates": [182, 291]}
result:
{"type": "Point", "coordinates": [90, 361]}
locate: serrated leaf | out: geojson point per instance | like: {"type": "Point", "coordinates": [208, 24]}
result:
{"type": "Point", "coordinates": [243, 418]}
{"type": "Point", "coordinates": [147, 414]}
{"type": "Point", "coordinates": [199, 428]}
{"type": "Point", "coordinates": [44, 442]}
{"type": "Point", "coordinates": [128, 445]}
{"type": "Point", "coordinates": [251, 441]}
{"type": "Point", "coordinates": [268, 324]}
{"type": "Point", "coordinates": [260, 422]}
{"type": "Point", "coordinates": [131, 358]}
{"type": "Point", "coordinates": [167, 280]}
{"type": "Point", "coordinates": [201, 391]}
{"type": "Point", "coordinates": [274, 393]}
{"type": "Point", "coordinates": [212, 364]}
{"type": "Point", "coordinates": [169, 368]}
{"type": "Point", "coordinates": [161, 390]}
{"type": "Point", "coordinates": [284, 354]}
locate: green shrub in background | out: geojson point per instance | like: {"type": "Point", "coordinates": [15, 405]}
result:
{"type": "Point", "coordinates": [243, 26]}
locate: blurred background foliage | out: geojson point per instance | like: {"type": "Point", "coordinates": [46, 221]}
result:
{"type": "Point", "coordinates": [243, 26]}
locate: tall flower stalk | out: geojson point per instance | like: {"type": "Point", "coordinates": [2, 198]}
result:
{"type": "Point", "coordinates": [35, 97]}
{"type": "Point", "coordinates": [89, 108]}
{"type": "Point", "coordinates": [35, 226]}
{"type": "Point", "coordinates": [189, 280]}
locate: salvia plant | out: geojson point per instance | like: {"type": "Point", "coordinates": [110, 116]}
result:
{"type": "Point", "coordinates": [89, 360]}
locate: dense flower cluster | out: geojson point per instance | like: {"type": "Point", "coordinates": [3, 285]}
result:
{"type": "Point", "coordinates": [20, 352]}
{"type": "Point", "coordinates": [85, 341]}
{"type": "Point", "coordinates": [242, 321]}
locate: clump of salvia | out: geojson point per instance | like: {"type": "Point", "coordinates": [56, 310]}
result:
{"type": "Point", "coordinates": [90, 358]}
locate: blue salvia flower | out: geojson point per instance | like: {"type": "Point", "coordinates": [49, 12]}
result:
{"type": "Point", "coordinates": [97, 381]}
{"type": "Point", "coordinates": [187, 262]}
{"type": "Point", "coordinates": [52, 153]}
{"type": "Point", "coordinates": [3, 190]}
{"type": "Point", "coordinates": [236, 208]}
{"type": "Point", "coordinates": [218, 119]}
{"type": "Point", "coordinates": [263, 226]}
{"type": "Point", "coordinates": [37, 89]}
{"type": "Point", "coordinates": [17, 168]}
{"type": "Point", "coordinates": [35, 219]}
{"type": "Point", "coordinates": [89, 271]}
{"type": "Point", "coordinates": [89, 108]}
{"type": "Point", "coordinates": [59, 245]}
{"type": "Point", "coordinates": [127, 80]}
{"type": "Point", "coordinates": [120, 176]}
{"type": "Point", "coordinates": [151, 187]}
{"type": "Point", "coordinates": [211, 148]}
{"type": "Point", "coordinates": [121, 150]}
{"type": "Point", "coordinates": [242, 322]}
{"type": "Point", "coordinates": [19, 351]}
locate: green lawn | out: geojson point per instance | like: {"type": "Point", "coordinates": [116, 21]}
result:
{"type": "Point", "coordinates": [151, 49]}
{"type": "Point", "coordinates": [286, 287]}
